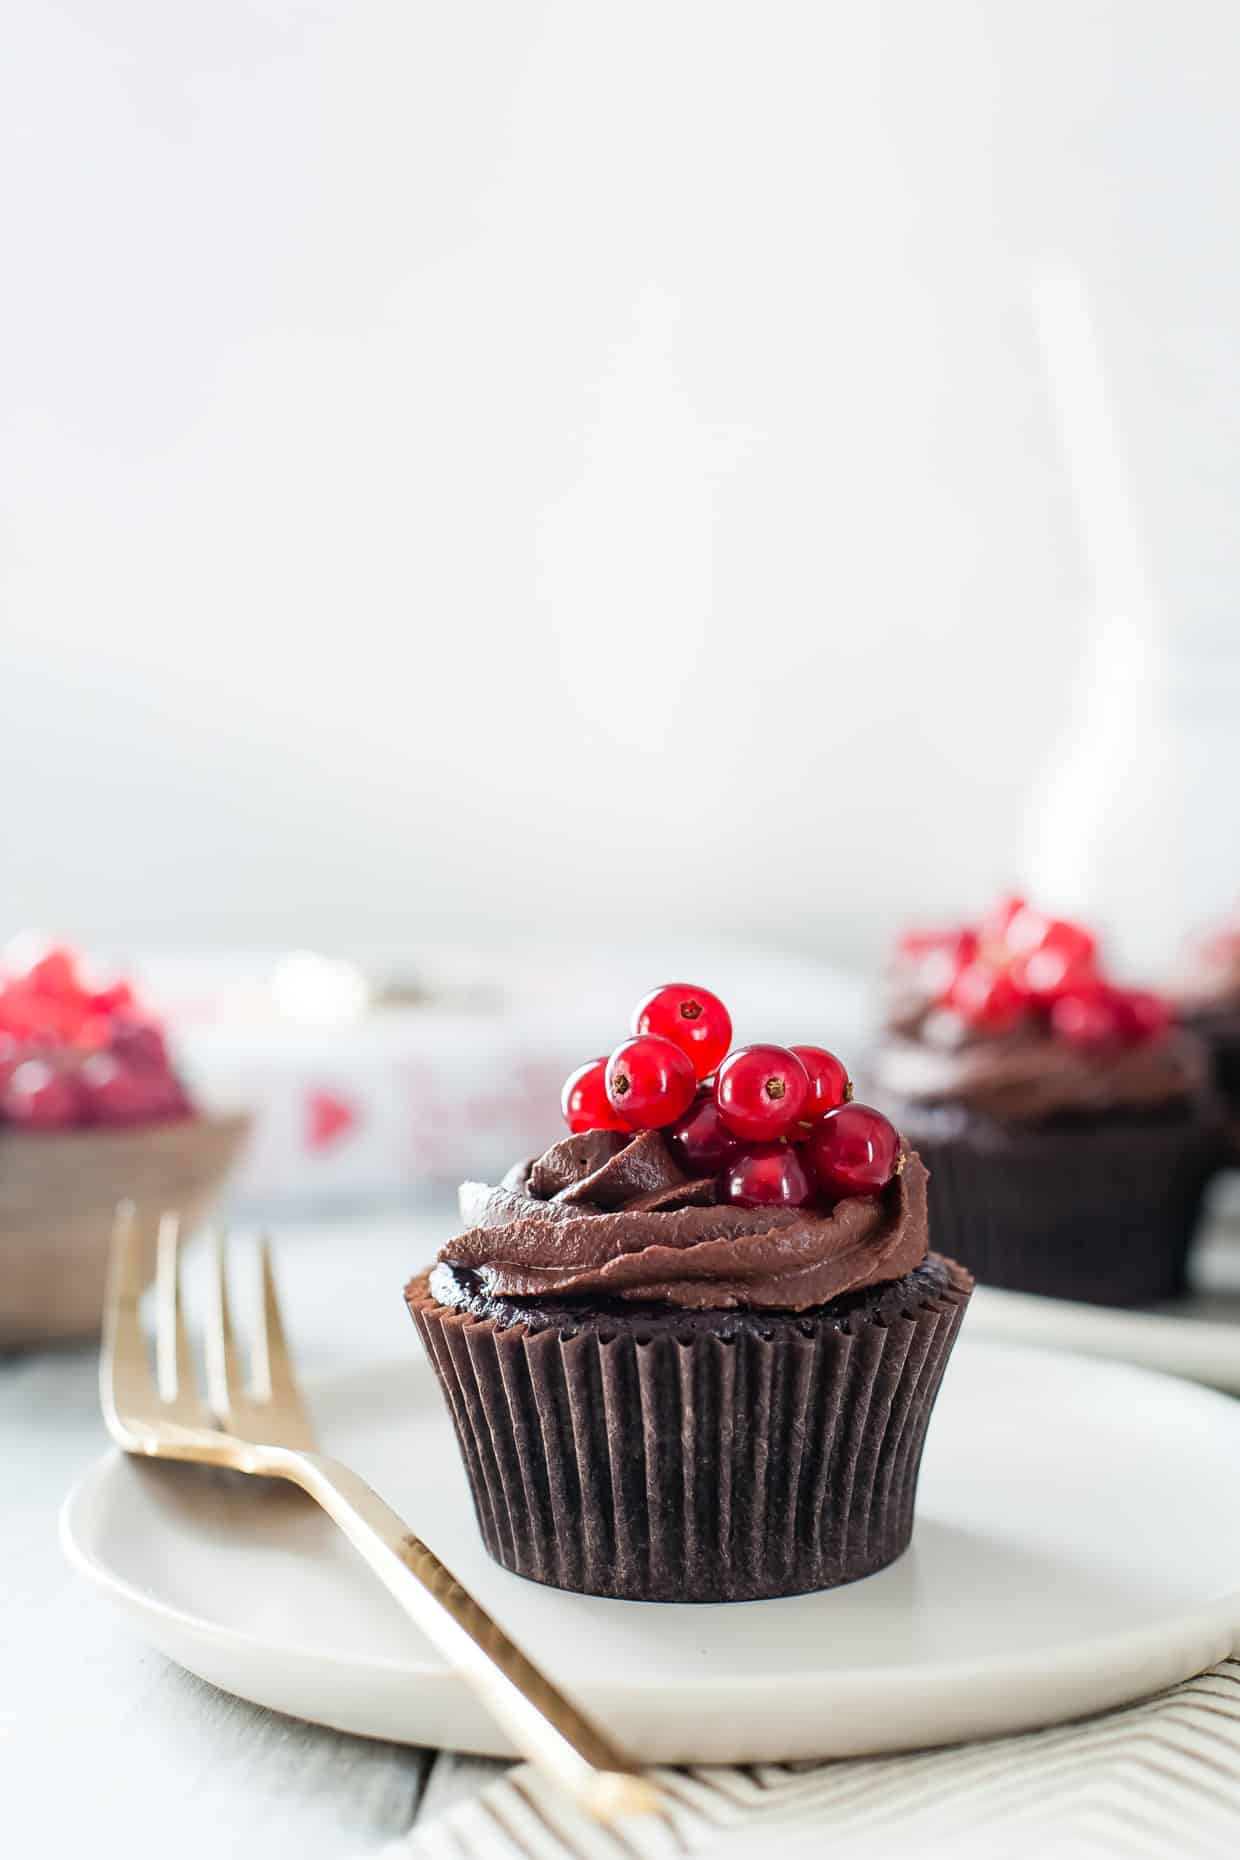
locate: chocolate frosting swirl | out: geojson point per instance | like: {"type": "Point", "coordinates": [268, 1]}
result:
{"type": "Point", "coordinates": [610, 1215]}
{"type": "Point", "coordinates": [1026, 1076]}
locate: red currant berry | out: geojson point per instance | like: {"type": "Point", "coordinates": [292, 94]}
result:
{"type": "Point", "coordinates": [1088, 1018]}
{"type": "Point", "coordinates": [916, 945]}
{"type": "Point", "coordinates": [1062, 962]}
{"type": "Point", "coordinates": [55, 974]}
{"type": "Point", "coordinates": [937, 972]}
{"type": "Point", "coordinates": [761, 1092]}
{"type": "Point", "coordinates": [584, 1099]}
{"type": "Point", "coordinates": [20, 1011]}
{"type": "Point", "coordinates": [692, 1019]}
{"type": "Point", "coordinates": [935, 957]}
{"type": "Point", "coordinates": [767, 1175]}
{"type": "Point", "coordinates": [119, 1094]}
{"type": "Point", "coordinates": [113, 999]}
{"type": "Point", "coordinates": [44, 1019]}
{"type": "Point", "coordinates": [40, 1097]}
{"type": "Point", "coordinates": [700, 1141]}
{"type": "Point", "coordinates": [94, 1034]}
{"type": "Point", "coordinates": [649, 1082]}
{"type": "Point", "coordinates": [855, 1150]}
{"type": "Point", "coordinates": [139, 1043]}
{"type": "Point", "coordinates": [996, 925]}
{"type": "Point", "coordinates": [1143, 1016]}
{"type": "Point", "coordinates": [987, 998]}
{"type": "Point", "coordinates": [829, 1083]}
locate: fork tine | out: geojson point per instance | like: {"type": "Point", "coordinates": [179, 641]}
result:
{"type": "Point", "coordinates": [124, 1266]}
{"type": "Point", "coordinates": [124, 1372]}
{"type": "Point", "coordinates": [273, 1380]}
{"type": "Point", "coordinates": [223, 1367]}
{"type": "Point", "coordinates": [174, 1363]}
{"type": "Point", "coordinates": [271, 1367]}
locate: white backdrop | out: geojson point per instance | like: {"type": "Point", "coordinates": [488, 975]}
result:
{"type": "Point", "coordinates": [499, 470]}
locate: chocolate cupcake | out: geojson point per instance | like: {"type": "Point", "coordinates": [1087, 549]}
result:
{"type": "Point", "coordinates": [1208, 997]}
{"type": "Point", "coordinates": [1069, 1128]}
{"type": "Point", "coordinates": [664, 1390]}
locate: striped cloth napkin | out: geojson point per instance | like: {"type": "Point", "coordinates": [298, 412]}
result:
{"type": "Point", "coordinates": [1157, 1781]}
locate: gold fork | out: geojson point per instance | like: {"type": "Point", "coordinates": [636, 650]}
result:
{"type": "Point", "coordinates": [264, 1428]}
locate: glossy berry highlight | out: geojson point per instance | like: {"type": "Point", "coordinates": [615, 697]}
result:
{"type": "Point", "coordinates": [1005, 923]}
{"type": "Point", "coordinates": [691, 1018]}
{"type": "Point", "coordinates": [854, 1150]}
{"type": "Point", "coordinates": [935, 959]}
{"type": "Point", "coordinates": [761, 1092]}
{"type": "Point", "coordinates": [649, 1082]}
{"type": "Point", "coordinates": [584, 1102]}
{"type": "Point", "coordinates": [986, 997]}
{"type": "Point", "coordinates": [1062, 960]}
{"type": "Point", "coordinates": [768, 1175]}
{"type": "Point", "coordinates": [39, 1096]}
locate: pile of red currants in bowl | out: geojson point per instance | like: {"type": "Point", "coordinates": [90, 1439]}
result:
{"type": "Point", "coordinates": [776, 1125]}
{"type": "Point", "coordinates": [1018, 967]}
{"type": "Point", "coordinates": [74, 1053]}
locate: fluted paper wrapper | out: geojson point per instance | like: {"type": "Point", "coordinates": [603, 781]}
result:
{"type": "Point", "coordinates": [656, 1463]}
{"type": "Point", "coordinates": [1221, 1032]}
{"type": "Point", "coordinates": [1104, 1214]}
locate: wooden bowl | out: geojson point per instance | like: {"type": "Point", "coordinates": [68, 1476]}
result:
{"type": "Point", "coordinates": [58, 1196]}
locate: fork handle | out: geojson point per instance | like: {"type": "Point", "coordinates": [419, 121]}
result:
{"type": "Point", "coordinates": [541, 1722]}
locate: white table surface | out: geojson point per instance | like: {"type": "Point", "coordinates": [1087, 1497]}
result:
{"type": "Point", "coordinates": [106, 1748]}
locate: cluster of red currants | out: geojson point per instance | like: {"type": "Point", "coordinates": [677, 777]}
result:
{"type": "Point", "coordinates": [72, 1053]}
{"type": "Point", "coordinates": [1017, 965]}
{"type": "Point", "coordinates": [776, 1124]}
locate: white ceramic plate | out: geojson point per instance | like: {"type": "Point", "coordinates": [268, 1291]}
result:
{"type": "Point", "coordinates": [1077, 1545]}
{"type": "Point", "coordinates": [1196, 1336]}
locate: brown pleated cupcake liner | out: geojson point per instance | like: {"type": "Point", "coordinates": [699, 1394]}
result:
{"type": "Point", "coordinates": [1223, 1040]}
{"type": "Point", "coordinates": [635, 1460]}
{"type": "Point", "coordinates": [1105, 1214]}
{"type": "Point", "coordinates": [1226, 1054]}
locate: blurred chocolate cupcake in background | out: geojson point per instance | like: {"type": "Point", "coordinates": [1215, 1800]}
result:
{"type": "Point", "coordinates": [1070, 1127]}
{"type": "Point", "coordinates": [1207, 996]}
